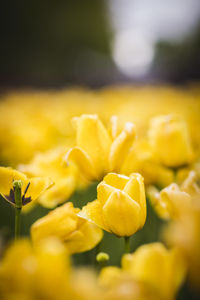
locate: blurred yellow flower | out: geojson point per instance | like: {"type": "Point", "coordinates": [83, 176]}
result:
{"type": "Point", "coordinates": [183, 173]}
{"type": "Point", "coordinates": [170, 202]}
{"type": "Point", "coordinates": [84, 285]}
{"type": "Point", "coordinates": [45, 116]}
{"type": "Point", "coordinates": [143, 160]}
{"type": "Point", "coordinates": [51, 163]}
{"type": "Point", "coordinates": [98, 149]}
{"type": "Point", "coordinates": [17, 268]}
{"type": "Point", "coordinates": [120, 285]}
{"type": "Point", "coordinates": [120, 207]}
{"type": "Point", "coordinates": [27, 273]}
{"type": "Point", "coordinates": [77, 234]}
{"type": "Point", "coordinates": [32, 187]}
{"type": "Point", "coordinates": [167, 202]}
{"type": "Point", "coordinates": [153, 264]}
{"type": "Point", "coordinates": [190, 184]}
{"type": "Point", "coordinates": [52, 272]}
{"type": "Point", "coordinates": [184, 233]}
{"type": "Point", "coordinates": [131, 290]}
{"type": "Point", "coordinates": [110, 275]}
{"type": "Point", "coordinates": [37, 121]}
{"type": "Point", "coordinates": [170, 138]}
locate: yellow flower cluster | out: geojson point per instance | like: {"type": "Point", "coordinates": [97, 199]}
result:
{"type": "Point", "coordinates": [45, 272]}
{"type": "Point", "coordinates": [141, 147]}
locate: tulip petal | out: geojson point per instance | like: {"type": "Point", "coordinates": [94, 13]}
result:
{"type": "Point", "coordinates": [114, 127]}
{"type": "Point", "coordinates": [93, 213]}
{"type": "Point", "coordinates": [122, 214]}
{"type": "Point", "coordinates": [121, 146]}
{"type": "Point", "coordinates": [86, 237]}
{"type": "Point", "coordinates": [173, 198]}
{"type": "Point", "coordinates": [155, 200]}
{"type": "Point", "coordinates": [116, 180]}
{"type": "Point", "coordinates": [65, 219]}
{"type": "Point", "coordinates": [58, 193]}
{"type": "Point", "coordinates": [179, 267]}
{"type": "Point", "coordinates": [135, 189]}
{"type": "Point", "coordinates": [37, 186]}
{"type": "Point", "coordinates": [110, 276]}
{"type": "Point", "coordinates": [7, 176]}
{"type": "Point", "coordinates": [94, 139]}
{"type": "Point", "coordinates": [80, 158]}
{"type": "Point", "coordinates": [170, 139]}
{"type": "Point", "coordinates": [104, 190]}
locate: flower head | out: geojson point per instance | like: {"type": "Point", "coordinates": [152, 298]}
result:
{"type": "Point", "coordinates": [142, 159]}
{"type": "Point", "coordinates": [184, 233]}
{"type": "Point", "coordinates": [169, 136]}
{"type": "Point", "coordinates": [148, 262]}
{"type": "Point", "coordinates": [77, 234]}
{"type": "Point", "coordinates": [27, 272]}
{"type": "Point", "coordinates": [31, 188]}
{"type": "Point", "coordinates": [120, 207]}
{"type": "Point", "coordinates": [99, 150]}
{"type": "Point", "coordinates": [172, 201]}
{"type": "Point", "coordinates": [65, 179]}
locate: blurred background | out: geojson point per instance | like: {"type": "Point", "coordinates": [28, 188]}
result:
{"type": "Point", "coordinates": [95, 42]}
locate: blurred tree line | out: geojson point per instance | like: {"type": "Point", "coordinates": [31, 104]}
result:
{"type": "Point", "coordinates": [54, 44]}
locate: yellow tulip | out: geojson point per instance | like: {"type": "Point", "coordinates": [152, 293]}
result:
{"type": "Point", "coordinates": [184, 233]}
{"type": "Point", "coordinates": [169, 137]}
{"type": "Point", "coordinates": [131, 290]}
{"type": "Point", "coordinates": [190, 184]}
{"type": "Point", "coordinates": [120, 207]}
{"type": "Point", "coordinates": [119, 285]}
{"type": "Point", "coordinates": [17, 268]}
{"type": "Point", "coordinates": [51, 163]}
{"type": "Point", "coordinates": [99, 150]}
{"type": "Point", "coordinates": [53, 270]}
{"type": "Point", "coordinates": [183, 173]}
{"type": "Point", "coordinates": [77, 234]}
{"type": "Point", "coordinates": [143, 160]}
{"type": "Point", "coordinates": [170, 202]}
{"type": "Point", "coordinates": [27, 273]}
{"type": "Point", "coordinates": [167, 203]}
{"type": "Point", "coordinates": [110, 276]}
{"type": "Point", "coordinates": [158, 267]}
{"type": "Point", "coordinates": [84, 285]}
{"type": "Point", "coordinates": [32, 187]}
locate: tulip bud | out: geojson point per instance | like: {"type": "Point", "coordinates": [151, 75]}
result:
{"type": "Point", "coordinates": [120, 207]}
{"type": "Point", "coordinates": [102, 257]}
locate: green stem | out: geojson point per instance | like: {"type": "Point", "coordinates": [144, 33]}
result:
{"type": "Point", "coordinates": [127, 244]}
{"type": "Point", "coordinates": [17, 222]}
{"type": "Point", "coordinates": [17, 185]}
{"type": "Point", "coordinates": [102, 264]}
